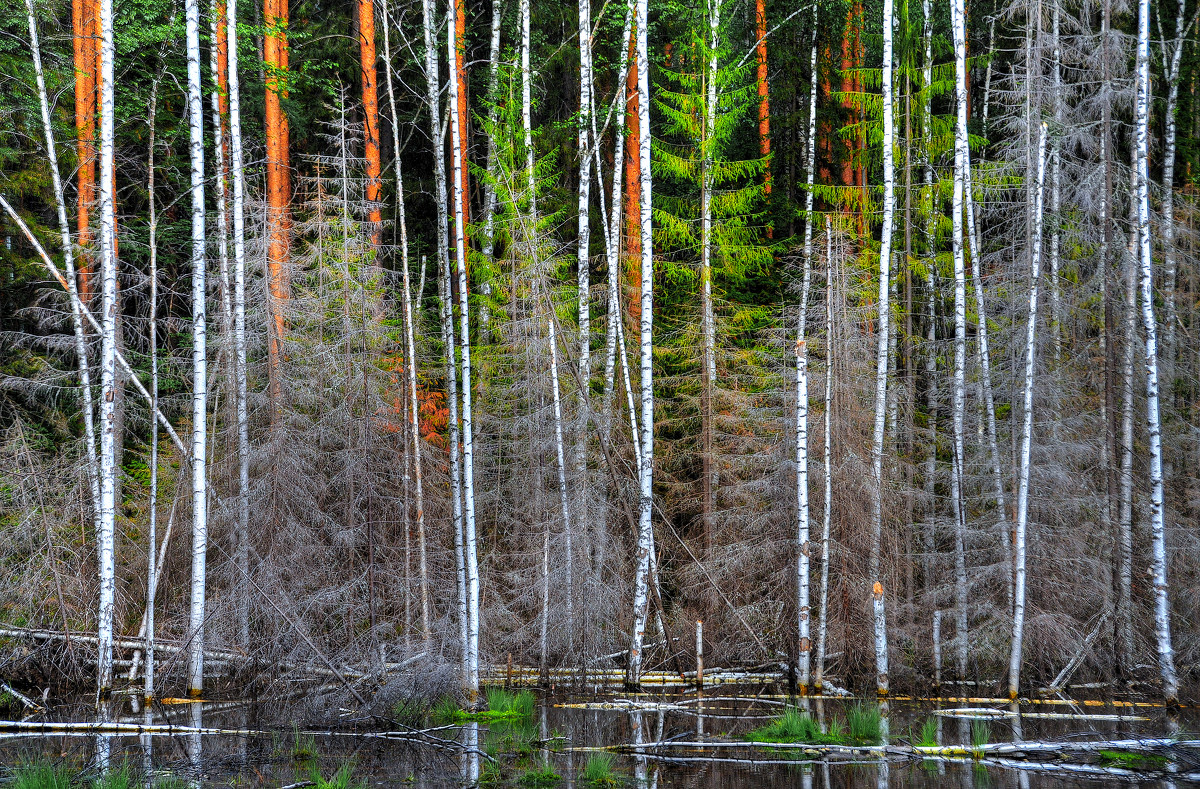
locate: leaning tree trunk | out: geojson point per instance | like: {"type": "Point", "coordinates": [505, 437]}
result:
{"type": "Point", "coordinates": [1158, 567]}
{"type": "Point", "coordinates": [827, 515]}
{"type": "Point", "coordinates": [1035, 276]}
{"type": "Point", "coordinates": [881, 361]}
{"type": "Point", "coordinates": [199, 359]}
{"type": "Point", "coordinates": [64, 228]}
{"type": "Point", "coordinates": [410, 341]}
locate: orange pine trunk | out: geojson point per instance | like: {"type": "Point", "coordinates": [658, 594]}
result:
{"type": "Point", "coordinates": [854, 170]}
{"type": "Point", "coordinates": [275, 54]}
{"type": "Point", "coordinates": [633, 188]}
{"type": "Point", "coordinates": [460, 72]}
{"type": "Point", "coordinates": [84, 28]}
{"type": "Point", "coordinates": [764, 101]}
{"type": "Point", "coordinates": [370, 94]}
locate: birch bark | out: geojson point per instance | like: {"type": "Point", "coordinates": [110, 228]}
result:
{"type": "Point", "coordinates": [958, 395]}
{"type": "Point", "coordinates": [238, 188]}
{"type": "Point", "coordinates": [108, 366]}
{"type": "Point", "coordinates": [881, 361]}
{"type": "Point", "coordinates": [1158, 568]}
{"type": "Point", "coordinates": [827, 514]}
{"type": "Point", "coordinates": [458, 162]}
{"type": "Point", "coordinates": [645, 543]}
{"type": "Point", "coordinates": [1035, 276]}
{"type": "Point", "coordinates": [199, 358]}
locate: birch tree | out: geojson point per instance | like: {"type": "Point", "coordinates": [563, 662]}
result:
{"type": "Point", "coordinates": [1035, 276]}
{"type": "Point", "coordinates": [108, 363]}
{"type": "Point", "coordinates": [643, 557]}
{"type": "Point", "coordinates": [1158, 567]}
{"type": "Point", "coordinates": [199, 358]}
{"type": "Point", "coordinates": [238, 188]}
{"type": "Point", "coordinates": [958, 395]}
{"type": "Point", "coordinates": [881, 361]}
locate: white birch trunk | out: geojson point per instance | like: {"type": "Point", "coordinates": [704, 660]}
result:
{"type": "Point", "coordinates": [881, 361]}
{"type": "Point", "coordinates": [68, 253]}
{"type": "Point", "coordinates": [1170, 263]}
{"type": "Point", "coordinates": [584, 226]}
{"type": "Point", "coordinates": [1056, 315]}
{"type": "Point", "coordinates": [489, 189]}
{"type": "Point", "coordinates": [410, 340]}
{"type": "Point", "coordinates": [1125, 483]}
{"type": "Point", "coordinates": [827, 515]}
{"type": "Point", "coordinates": [108, 366]}
{"type": "Point", "coordinates": [238, 188]}
{"type": "Point", "coordinates": [436, 131]}
{"type": "Point", "coordinates": [527, 107]}
{"type": "Point", "coordinates": [707, 319]}
{"type": "Point", "coordinates": [1158, 567]}
{"type": "Point", "coordinates": [645, 543]}
{"type": "Point", "coordinates": [1035, 276]}
{"type": "Point", "coordinates": [468, 455]}
{"type": "Point", "coordinates": [931, 355]}
{"type": "Point", "coordinates": [199, 359]}
{"type": "Point", "coordinates": [958, 393]}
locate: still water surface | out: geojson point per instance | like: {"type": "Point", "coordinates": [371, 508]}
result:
{"type": "Point", "coordinates": [565, 730]}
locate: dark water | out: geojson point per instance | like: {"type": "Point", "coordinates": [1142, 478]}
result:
{"type": "Point", "coordinates": [561, 736]}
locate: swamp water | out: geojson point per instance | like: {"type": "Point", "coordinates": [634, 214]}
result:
{"type": "Point", "coordinates": [572, 740]}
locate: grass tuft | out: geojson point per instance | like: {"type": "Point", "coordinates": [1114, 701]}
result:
{"type": "Point", "coordinates": [981, 734]}
{"type": "Point", "coordinates": [928, 733]}
{"type": "Point", "coordinates": [542, 775]}
{"type": "Point", "coordinates": [865, 724]}
{"type": "Point", "coordinates": [342, 779]}
{"type": "Point", "coordinates": [599, 770]}
{"type": "Point", "coordinates": [120, 778]}
{"type": "Point", "coordinates": [41, 775]}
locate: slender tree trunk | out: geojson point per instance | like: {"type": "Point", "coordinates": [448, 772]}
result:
{"type": "Point", "coordinates": [64, 228]}
{"type": "Point", "coordinates": [1056, 315]}
{"type": "Point", "coordinates": [238, 184]}
{"type": "Point", "coordinates": [108, 365]}
{"type": "Point", "coordinates": [86, 35]}
{"type": "Point", "coordinates": [199, 359]}
{"type": "Point", "coordinates": [370, 100]}
{"type": "Point", "coordinates": [707, 319]}
{"type": "Point", "coordinates": [645, 545]}
{"type": "Point", "coordinates": [931, 355]}
{"type": "Point", "coordinates": [152, 526]}
{"type": "Point", "coordinates": [275, 15]}
{"type": "Point", "coordinates": [1158, 567]}
{"type": "Point", "coordinates": [459, 163]}
{"type": "Point", "coordinates": [827, 515]}
{"type": "Point", "coordinates": [987, 78]}
{"type": "Point", "coordinates": [633, 176]}
{"type": "Point", "coordinates": [958, 395]}
{"type": "Point", "coordinates": [1125, 496]}
{"type": "Point", "coordinates": [410, 341]}
{"type": "Point", "coordinates": [881, 362]}
{"type": "Point", "coordinates": [564, 496]}
{"type": "Point", "coordinates": [1035, 276]}
{"type": "Point", "coordinates": [489, 188]}
{"type": "Point", "coordinates": [583, 257]}
{"type": "Point", "coordinates": [1170, 263]}
{"type": "Point", "coordinates": [764, 99]}
{"type": "Point", "coordinates": [804, 554]}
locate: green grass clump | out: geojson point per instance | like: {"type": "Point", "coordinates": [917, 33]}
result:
{"type": "Point", "coordinates": [981, 734]}
{"type": "Point", "coordinates": [342, 779]}
{"type": "Point", "coordinates": [41, 775]}
{"type": "Point", "coordinates": [502, 705]}
{"type": "Point", "coordinates": [1131, 760]}
{"type": "Point", "coordinates": [542, 775]}
{"type": "Point", "coordinates": [599, 770]}
{"type": "Point", "coordinates": [865, 724]}
{"type": "Point", "coordinates": [928, 734]}
{"type": "Point", "coordinates": [304, 747]}
{"type": "Point", "coordinates": [792, 726]}
{"type": "Point", "coordinates": [506, 704]}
